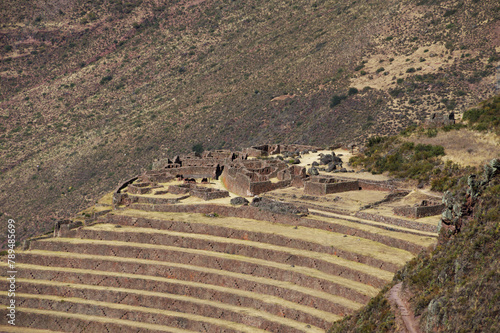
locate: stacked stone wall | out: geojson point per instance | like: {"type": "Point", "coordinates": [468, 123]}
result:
{"type": "Point", "coordinates": [68, 323]}
{"type": "Point", "coordinates": [399, 222]}
{"type": "Point", "coordinates": [173, 284]}
{"type": "Point", "coordinates": [208, 193]}
{"type": "Point", "coordinates": [236, 182]}
{"type": "Point", "coordinates": [118, 196]}
{"type": "Point", "coordinates": [236, 248]}
{"type": "Point", "coordinates": [177, 255]}
{"type": "Point", "coordinates": [195, 171]}
{"type": "Point", "coordinates": [257, 188]}
{"type": "Point", "coordinates": [169, 304]}
{"type": "Point", "coordinates": [419, 211]}
{"type": "Point", "coordinates": [317, 188]}
{"type": "Point", "coordinates": [257, 214]}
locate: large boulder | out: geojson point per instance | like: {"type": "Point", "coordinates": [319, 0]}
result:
{"type": "Point", "coordinates": [313, 171]}
{"type": "Point", "coordinates": [325, 159]}
{"type": "Point", "coordinates": [239, 201]}
{"type": "Point", "coordinates": [331, 167]}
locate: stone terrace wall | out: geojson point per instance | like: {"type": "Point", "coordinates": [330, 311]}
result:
{"type": "Point", "coordinates": [243, 249]}
{"type": "Point", "coordinates": [257, 214]}
{"type": "Point", "coordinates": [99, 277]}
{"type": "Point", "coordinates": [119, 197]}
{"type": "Point", "coordinates": [419, 211]}
{"type": "Point", "coordinates": [208, 193]}
{"type": "Point", "coordinates": [399, 222]}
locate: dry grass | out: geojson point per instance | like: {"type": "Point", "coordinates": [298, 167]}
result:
{"type": "Point", "coordinates": [464, 147]}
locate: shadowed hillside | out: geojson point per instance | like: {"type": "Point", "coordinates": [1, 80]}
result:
{"type": "Point", "coordinates": [92, 91]}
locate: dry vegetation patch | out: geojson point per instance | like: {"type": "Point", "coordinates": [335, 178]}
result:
{"type": "Point", "coordinates": [464, 147]}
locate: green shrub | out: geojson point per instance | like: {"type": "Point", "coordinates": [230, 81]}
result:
{"type": "Point", "coordinates": [352, 91]}
{"type": "Point", "coordinates": [336, 100]}
{"type": "Point", "coordinates": [106, 79]}
{"type": "Point", "coordinates": [198, 148]}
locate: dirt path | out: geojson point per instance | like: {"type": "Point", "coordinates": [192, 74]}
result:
{"type": "Point", "coordinates": [403, 311]}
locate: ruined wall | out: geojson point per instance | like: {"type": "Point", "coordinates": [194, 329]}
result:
{"type": "Point", "coordinates": [419, 211]}
{"type": "Point", "coordinates": [314, 188]}
{"type": "Point", "coordinates": [118, 196]}
{"type": "Point", "coordinates": [257, 188]}
{"type": "Point", "coordinates": [236, 182]}
{"type": "Point", "coordinates": [195, 171]}
{"type": "Point", "coordinates": [208, 193]}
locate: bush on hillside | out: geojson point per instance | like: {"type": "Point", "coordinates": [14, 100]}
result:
{"type": "Point", "coordinates": [336, 100]}
{"type": "Point", "coordinates": [486, 117]}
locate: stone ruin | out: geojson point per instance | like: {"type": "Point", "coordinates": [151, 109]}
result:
{"type": "Point", "coordinates": [423, 209]}
{"type": "Point", "coordinates": [440, 120]}
{"type": "Point", "coordinates": [323, 185]}
{"type": "Point", "coordinates": [247, 173]}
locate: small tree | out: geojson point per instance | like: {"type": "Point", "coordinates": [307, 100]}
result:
{"type": "Point", "coordinates": [198, 149]}
{"type": "Point", "coordinates": [352, 91]}
{"type": "Point", "coordinates": [336, 99]}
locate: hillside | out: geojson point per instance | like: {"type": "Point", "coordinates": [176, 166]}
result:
{"type": "Point", "coordinates": [453, 287]}
{"type": "Point", "coordinates": [91, 92]}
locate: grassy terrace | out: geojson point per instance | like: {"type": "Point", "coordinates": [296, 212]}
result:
{"type": "Point", "coordinates": [323, 237]}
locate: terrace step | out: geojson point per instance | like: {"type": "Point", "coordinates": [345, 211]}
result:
{"type": "Point", "coordinates": [307, 277]}
{"type": "Point", "coordinates": [389, 238]}
{"type": "Point", "coordinates": [324, 262]}
{"type": "Point", "coordinates": [318, 213]}
{"type": "Point", "coordinates": [273, 305]}
{"type": "Point", "coordinates": [43, 318]}
{"type": "Point", "coordinates": [215, 284]}
{"type": "Point", "coordinates": [197, 315]}
{"type": "Point", "coordinates": [398, 221]}
{"type": "Point", "coordinates": [355, 249]}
